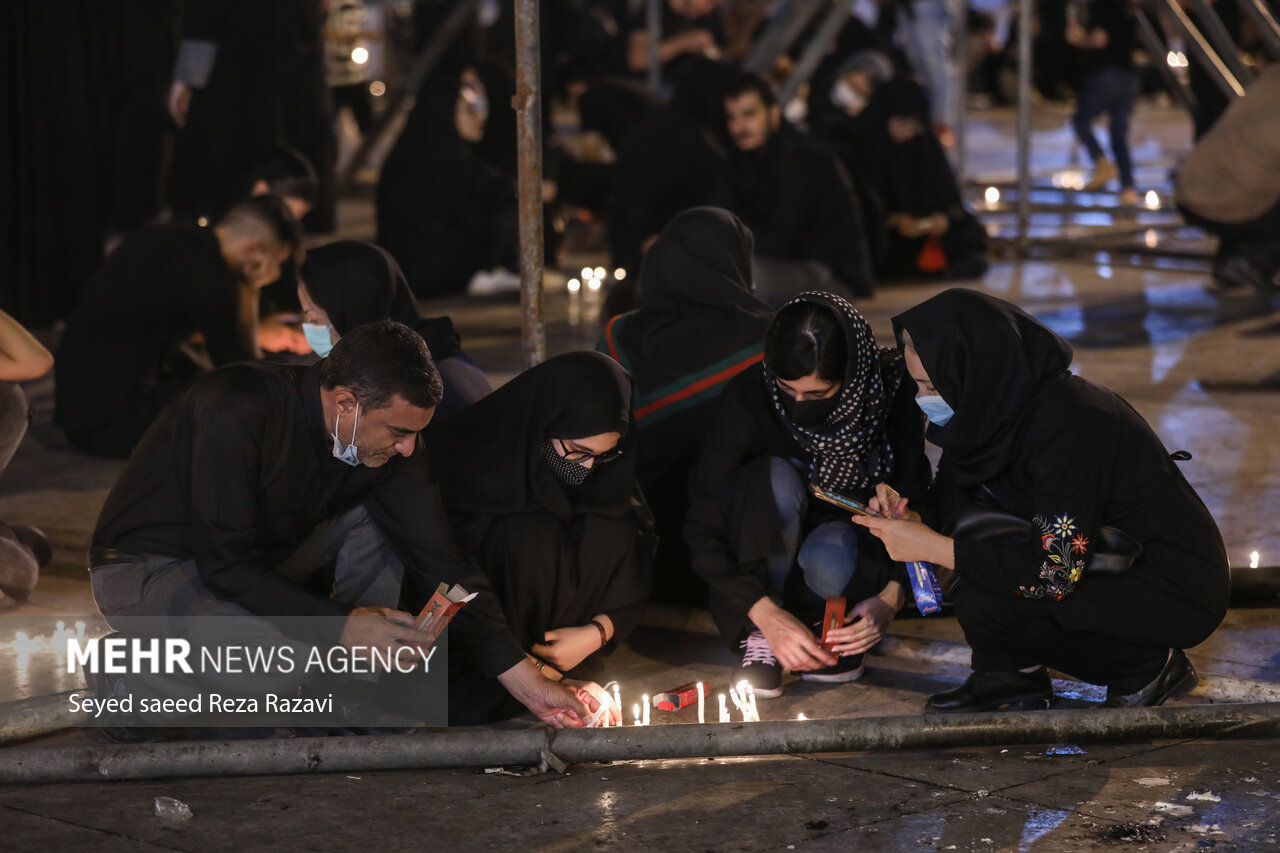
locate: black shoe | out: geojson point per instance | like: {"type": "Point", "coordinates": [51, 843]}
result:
{"type": "Point", "coordinates": [848, 668]}
{"type": "Point", "coordinates": [992, 691]}
{"type": "Point", "coordinates": [759, 667]}
{"type": "Point", "coordinates": [1176, 679]}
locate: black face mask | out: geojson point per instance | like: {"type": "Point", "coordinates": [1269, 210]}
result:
{"type": "Point", "coordinates": [808, 413]}
{"type": "Point", "coordinates": [568, 473]}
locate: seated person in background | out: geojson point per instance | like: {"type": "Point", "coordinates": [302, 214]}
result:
{"type": "Point", "coordinates": [445, 214]}
{"type": "Point", "coordinates": [689, 28]}
{"type": "Point", "coordinates": [273, 496]}
{"type": "Point", "coordinates": [539, 483]}
{"type": "Point", "coordinates": [1229, 185]}
{"type": "Point", "coordinates": [24, 550]}
{"type": "Point", "coordinates": [126, 350]}
{"type": "Point", "coordinates": [669, 161]}
{"type": "Point", "coordinates": [929, 231]}
{"type": "Point", "coordinates": [795, 197]}
{"type": "Point", "coordinates": [698, 326]}
{"type": "Point", "coordinates": [349, 283]}
{"type": "Point", "coordinates": [1108, 564]}
{"type": "Point", "coordinates": [829, 408]}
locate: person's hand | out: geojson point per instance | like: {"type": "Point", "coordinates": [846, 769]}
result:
{"type": "Point", "coordinates": [1075, 35]}
{"type": "Point", "coordinates": [793, 644]}
{"type": "Point", "coordinates": [550, 189]}
{"type": "Point", "coordinates": [595, 697]}
{"type": "Point", "coordinates": [697, 41]}
{"type": "Point", "coordinates": [278, 333]}
{"type": "Point", "coordinates": [888, 503]}
{"type": "Point", "coordinates": [179, 102]}
{"type": "Point", "coordinates": [554, 702]}
{"type": "Point", "coordinates": [908, 540]}
{"type": "Point", "coordinates": [387, 630]}
{"type": "Point", "coordinates": [866, 623]}
{"type": "Point", "coordinates": [909, 227]}
{"type": "Point", "coordinates": [937, 224]}
{"type": "Point", "coordinates": [565, 648]}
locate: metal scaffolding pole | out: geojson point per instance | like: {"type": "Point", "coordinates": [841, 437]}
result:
{"type": "Point", "coordinates": [1264, 22]}
{"type": "Point", "coordinates": [653, 18]}
{"type": "Point", "coordinates": [790, 22]}
{"type": "Point", "coordinates": [817, 49]}
{"type": "Point", "coordinates": [1197, 44]}
{"type": "Point", "coordinates": [527, 103]}
{"type": "Point", "coordinates": [1024, 126]}
{"type": "Point", "coordinates": [1217, 34]}
{"type": "Point", "coordinates": [960, 61]}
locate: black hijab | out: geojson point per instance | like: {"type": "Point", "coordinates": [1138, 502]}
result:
{"type": "Point", "coordinates": [989, 360]}
{"type": "Point", "coordinates": [851, 449]}
{"type": "Point", "coordinates": [356, 283]}
{"type": "Point", "coordinates": [697, 306]}
{"type": "Point", "coordinates": [915, 176]}
{"type": "Point", "coordinates": [488, 456]}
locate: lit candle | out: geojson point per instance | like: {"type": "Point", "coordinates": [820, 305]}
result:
{"type": "Point", "coordinates": [724, 709]}
{"type": "Point", "coordinates": [801, 717]}
{"type": "Point", "coordinates": [749, 697]}
{"type": "Point", "coordinates": [617, 699]}
{"type": "Point", "coordinates": [702, 713]}
{"type": "Point", "coordinates": [636, 710]}
{"type": "Point", "coordinates": [734, 697]}
{"type": "Point", "coordinates": [646, 709]}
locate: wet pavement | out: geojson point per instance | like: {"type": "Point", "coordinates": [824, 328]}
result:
{"type": "Point", "coordinates": [1130, 290]}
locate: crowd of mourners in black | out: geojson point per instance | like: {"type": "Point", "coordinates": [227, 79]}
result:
{"type": "Point", "coordinates": [302, 442]}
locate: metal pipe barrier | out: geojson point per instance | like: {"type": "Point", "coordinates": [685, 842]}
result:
{"type": "Point", "coordinates": [487, 747]}
{"type": "Point", "coordinates": [1157, 50]}
{"type": "Point", "coordinates": [527, 102]}
{"type": "Point", "coordinates": [1024, 126]}
{"type": "Point", "coordinates": [653, 23]}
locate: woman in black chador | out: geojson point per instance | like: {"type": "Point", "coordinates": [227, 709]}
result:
{"type": "Point", "coordinates": [699, 325]}
{"type": "Point", "coordinates": [1106, 564]}
{"type": "Point", "coordinates": [349, 283]}
{"type": "Point", "coordinates": [928, 231]}
{"type": "Point", "coordinates": [443, 212]}
{"type": "Point", "coordinates": [539, 483]}
{"type": "Point", "coordinates": [826, 407]}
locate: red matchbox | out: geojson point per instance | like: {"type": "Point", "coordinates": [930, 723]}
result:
{"type": "Point", "coordinates": [833, 618]}
{"type": "Point", "coordinates": [444, 605]}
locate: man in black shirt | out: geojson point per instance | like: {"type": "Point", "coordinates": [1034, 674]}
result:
{"type": "Point", "coordinates": [126, 351]}
{"type": "Point", "coordinates": [796, 198]}
{"type": "Point", "coordinates": [273, 508]}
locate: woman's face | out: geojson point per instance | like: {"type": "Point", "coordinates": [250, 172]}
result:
{"type": "Point", "coordinates": [811, 387]}
{"type": "Point", "coordinates": [472, 108]}
{"type": "Point", "coordinates": [904, 128]}
{"type": "Point", "coordinates": [314, 314]}
{"type": "Point", "coordinates": [915, 369]}
{"type": "Point", "coordinates": [585, 451]}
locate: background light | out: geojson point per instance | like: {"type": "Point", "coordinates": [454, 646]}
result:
{"type": "Point", "coordinates": [377, 88]}
{"type": "Point", "coordinates": [992, 195]}
{"type": "Point", "coordinates": [359, 56]}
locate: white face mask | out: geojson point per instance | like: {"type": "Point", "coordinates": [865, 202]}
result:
{"type": "Point", "coordinates": [848, 98]}
{"type": "Point", "coordinates": [349, 454]}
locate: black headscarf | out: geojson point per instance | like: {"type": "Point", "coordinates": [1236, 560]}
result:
{"type": "Point", "coordinates": [356, 283]}
{"type": "Point", "coordinates": [851, 449]}
{"type": "Point", "coordinates": [488, 456]}
{"type": "Point", "coordinates": [988, 359]}
{"type": "Point", "coordinates": [695, 286]}
{"type": "Point", "coordinates": [915, 176]}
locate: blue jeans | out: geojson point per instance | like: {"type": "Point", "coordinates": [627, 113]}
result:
{"type": "Point", "coordinates": [828, 556]}
{"type": "Point", "coordinates": [1112, 91]}
{"type": "Point", "coordinates": [924, 34]}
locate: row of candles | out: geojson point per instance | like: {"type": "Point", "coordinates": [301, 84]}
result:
{"type": "Point", "coordinates": [741, 695]}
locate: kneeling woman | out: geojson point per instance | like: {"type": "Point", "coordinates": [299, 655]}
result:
{"type": "Point", "coordinates": [1108, 564]}
{"type": "Point", "coordinates": [826, 407]}
{"type": "Point", "coordinates": [538, 480]}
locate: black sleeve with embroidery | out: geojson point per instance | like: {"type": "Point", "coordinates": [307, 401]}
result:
{"type": "Point", "coordinates": [1064, 480]}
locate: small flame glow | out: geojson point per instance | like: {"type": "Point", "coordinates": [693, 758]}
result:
{"type": "Point", "coordinates": [1152, 199]}
{"type": "Point", "coordinates": [377, 88]}
{"type": "Point", "coordinates": [599, 272]}
{"type": "Point", "coordinates": [992, 195]}
{"type": "Point", "coordinates": [588, 273]}
{"type": "Point", "coordinates": [619, 274]}
{"type": "Point", "coordinates": [359, 56]}
{"type": "Point", "coordinates": [593, 283]}
{"type": "Point", "coordinates": [1254, 559]}
{"type": "Point", "coordinates": [574, 285]}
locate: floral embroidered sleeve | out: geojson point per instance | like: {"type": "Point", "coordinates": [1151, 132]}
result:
{"type": "Point", "coordinates": [1067, 496]}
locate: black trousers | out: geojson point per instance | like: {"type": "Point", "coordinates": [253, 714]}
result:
{"type": "Point", "coordinates": [1133, 627]}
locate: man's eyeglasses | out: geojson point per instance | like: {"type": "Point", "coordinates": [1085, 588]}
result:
{"type": "Point", "coordinates": [571, 454]}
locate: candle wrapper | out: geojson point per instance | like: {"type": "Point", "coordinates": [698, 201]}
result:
{"type": "Point", "coordinates": [445, 603]}
{"type": "Point", "coordinates": [833, 618]}
{"type": "Point", "coordinates": [925, 587]}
